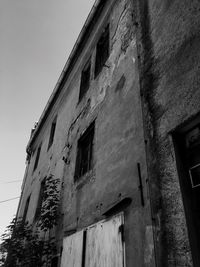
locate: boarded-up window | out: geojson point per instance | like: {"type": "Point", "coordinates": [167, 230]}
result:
{"type": "Point", "coordinates": [101, 247]}
{"type": "Point", "coordinates": [72, 250]}
{"type": "Point", "coordinates": [104, 244]}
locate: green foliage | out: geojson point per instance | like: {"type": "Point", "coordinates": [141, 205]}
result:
{"type": "Point", "coordinates": [49, 250]}
{"type": "Point", "coordinates": [49, 212]}
{"type": "Point", "coordinates": [22, 245]}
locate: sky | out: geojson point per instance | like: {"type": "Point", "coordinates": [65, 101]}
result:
{"type": "Point", "coordinates": [36, 38]}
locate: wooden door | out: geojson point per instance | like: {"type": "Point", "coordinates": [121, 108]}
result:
{"type": "Point", "coordinates": [72, 250]}
{"type": "Point", "coordinates": [104, 247]}
{"type": "Point", "coordinates": [99, 245]}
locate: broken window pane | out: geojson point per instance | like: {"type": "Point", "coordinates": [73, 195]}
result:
{"type": "Point", "coordinates": [52, 133]}
{"type": "Point", "coordinates": [84, 153]}
{"type": "Point", "coordinates": [37, 158]}
{"type": "Point", "coordinates": [85, 80]}
{"type": "Point", "coordinates": [102, 51]}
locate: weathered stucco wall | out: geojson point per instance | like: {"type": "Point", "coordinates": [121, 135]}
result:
{"type": "Point", "coordinates": [113, 101]}
{"type": "Point", "coordinates": [148, 87]}
{"type": "Point", "coordinates": [169, 51]}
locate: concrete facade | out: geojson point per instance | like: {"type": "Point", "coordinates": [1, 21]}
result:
{"type": "Point", "coordinates": [147, 90]}
{"type": "Point", "coordinates": [168, 47]}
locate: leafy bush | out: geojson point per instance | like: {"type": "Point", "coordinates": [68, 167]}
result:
{"type": "Point", "coordinates": [22, 244]}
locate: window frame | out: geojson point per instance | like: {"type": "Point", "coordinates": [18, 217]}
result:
{"type": "Point", "coordinates": [52, 132]}
{"type": "Point", "coordinates": [85, 79]}
{"type": "Point", "coordinates": [103, 44]}
{"type": "Point", "coordinates": [86, 141]}
{"type": "Point", "coordinates": [26, 209]}
{"type": "Point", "coordinates": [186, 156]}
{"type": "Point", "coordinates": [37, 157]}
{"type": "Point", "coordinates": [40, 199]}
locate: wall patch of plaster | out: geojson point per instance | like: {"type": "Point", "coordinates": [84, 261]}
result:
{"type": "Point", "coordinates": [149, 245]}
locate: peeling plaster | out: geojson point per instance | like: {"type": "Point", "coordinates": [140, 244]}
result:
{"type": "Point", "coordinates": [149, 246]}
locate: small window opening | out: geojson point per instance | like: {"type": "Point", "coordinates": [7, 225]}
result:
{"type": "Point", "coordinates": [85, 80]}
{"type": "Point", "coordinates": [52, 133]}
{"type": "Point", "coordinates": [37, 158]}
{"type": "Point", "coordinates": [26, 209]}
{"type": "Point", "coordinates": [85, 152]}
{"type": "Point", "coordinates": [40, 199]}
{"type": "Point", "coordinates": [102, 51]}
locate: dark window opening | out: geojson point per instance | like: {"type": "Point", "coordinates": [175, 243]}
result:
{"type": "Point", "coordinates": [52, 133]}
{"type": "Point", "coordinates": [37, 158]}
{"type": "Point", "coordinates": [102, 51]}
{"type": "Point", "coordinates": [85, 80]}
{"type": "Point", "coordinates": [85, 152]}
{"type": "Point", "coordinates": [188, 163]}
{"type": "Point", "coordinates": [40, 200]}
{"type": "Point", "coordinates": [26, 209]}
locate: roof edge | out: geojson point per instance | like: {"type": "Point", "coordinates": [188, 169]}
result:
{"type": "Point", "coordinates": [68, 65]}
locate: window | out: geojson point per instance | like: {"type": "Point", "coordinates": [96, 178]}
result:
{"type": "Point", "coordinates": [85, 152]}
{"type": "Point", "coordinates": [26, 209]}
{"type": "Point", "coordinates": [85, 80]}
{"type": "Point", "coordinates": [102, 51]}
{"type": "Point", "coordinates": [187, 143]}
{"type": "Point", "coordinates": [37, 158]}
{"type": "Point", "coordinates": [40, 200]}
{"type": "Point", "coordinates": [98, 245]}
{"type": "Point", "coordinates": [52, 133]}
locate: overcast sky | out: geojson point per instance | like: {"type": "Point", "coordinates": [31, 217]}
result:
{"type": "Point", "coordinates": [36, 37]}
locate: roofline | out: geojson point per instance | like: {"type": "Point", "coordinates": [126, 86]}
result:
{"type": "Point", "coordinates": [77, 49]}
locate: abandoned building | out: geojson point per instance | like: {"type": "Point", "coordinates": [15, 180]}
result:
{"type": "Point", "coordinates": [121, 131]}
